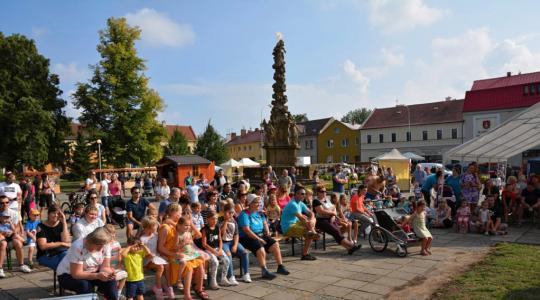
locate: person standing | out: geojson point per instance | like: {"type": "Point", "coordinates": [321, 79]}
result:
{"type": "Point", "coordinates": [285, 181]}
{"type": "Point", "coordinates": [419, 175]}
{"type": "Point", "coordinates": [188, 179]}
{"type": "Point", "coordinates": [12, 190]}
{"type": "Point", "coordinates": [339, 179]}
{"type": "Point", "coordinates": [470, 186]}
{"type": "Point", "coordinates": [292, 174]}
{"type": "Point", "coordinates": [194, 191]}
{"type": "Point", "coordinates": [91, 182]}
{"type": "Point", "coordinates": [104, 193]}
{"type": "Point", "coordinates": [27, 197]}
{"type": "Point", "coordinates": [220, 180]}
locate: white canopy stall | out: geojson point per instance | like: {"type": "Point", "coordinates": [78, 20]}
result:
{"type": "Point", "coordinates": [515, 135]}
{"type": "Point", "coordinates": [229, 165]}
{"type": "Point", "coordinates": [248, 163]}
{"type": "Point", "coordinates": [413, 156]}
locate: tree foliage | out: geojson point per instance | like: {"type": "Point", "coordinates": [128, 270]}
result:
{"type": "Point", "coordinates": [178, 144]}
{"type": "Point", "coordinates": [357, 116]}
{"type": "Point", "coordinates": [300, 118]}
{"type": "Point", "coordinates": [81, 161]}
{"type": "Point", "coordinates": [210, 145]}
{"type": "Point", "coordinates": [117, 105]}
{"type": "Point", "coordinates": [33, 122]}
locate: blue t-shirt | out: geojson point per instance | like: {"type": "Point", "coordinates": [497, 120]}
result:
{"type": "Point", "coordinates": [255, 221]}
{"type": "Point", "coordinates": [429, 183]}
{"type": "Point", "coordinates": [288, 216]}
{"type": "Point", "coordinates": [138, 210]}
{"type": "Point", "coordinates": [29, 226]}
{"type": "Point", "coordinates": [163, 206]}
{"type": "Point", "coordinates": [455, 184]}
{"type": "Point", "coordinates": [338, 187]}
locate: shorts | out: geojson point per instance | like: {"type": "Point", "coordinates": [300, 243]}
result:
{"type": "Point", "coordinates": [134, 288]}
{"type": "Point", "coordinates": [135, 225]}
{"type": "Point", "coordinates": [45, 200]}
{"type": "Point", "coordinates": [254, 245]}
{"type": "Point", "coordinates": [105, 201]}
{"type": "Point", "coordinates": [296, 230]}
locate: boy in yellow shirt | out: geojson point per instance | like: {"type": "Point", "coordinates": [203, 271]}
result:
{"type": "Point", "coordinates": [133, 256]}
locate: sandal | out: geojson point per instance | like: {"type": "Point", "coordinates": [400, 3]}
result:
{"type": "Point", "coordinates": [202, 294]}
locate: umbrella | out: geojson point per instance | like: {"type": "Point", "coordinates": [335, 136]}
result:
{"type": "Point", "coordinates": [413, 156]}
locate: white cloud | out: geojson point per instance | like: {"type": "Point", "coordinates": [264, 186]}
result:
{"type": "Point", "coordinates": [357, 76]}
{"type": "Point", "coordinates": [392, 58]}
{"type": "Point", "coordinates": [401, 15]}
{"type": "Point", "coordinates": [159, 30]}
{"type": "Point", "coordinates": [70, 73]}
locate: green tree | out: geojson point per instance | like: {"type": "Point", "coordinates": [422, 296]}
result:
{"type": "Point", "coordinates": [117, 105]}
{"type": "Point", "coordinates": [33, 122]}
{"type": "Point", "coordinates": [210, 145]}
{"type": "Point", "coordinates": [81, 160]}
{"type": "Point", "coordinates": [178, 144]}
{"type": "Point", "coordinates": [357, 116]}
{"type": "Point", "coordinates": [300, 118]}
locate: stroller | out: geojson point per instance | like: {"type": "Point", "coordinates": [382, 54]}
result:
{"type": "Point", "coordinates": [386, 230]}
{"type": "Point", "coordinates": [117, 207]}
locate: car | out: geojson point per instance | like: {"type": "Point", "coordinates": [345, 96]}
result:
{"type": "Point", "coordinates": [434, 166]}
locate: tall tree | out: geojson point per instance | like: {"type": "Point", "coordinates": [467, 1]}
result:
{"type": "Point", "coordinates": [300, 118]}
{"type": "Point", "coordinates": [178, 144]}
{"type": "Point", "coordinates": [357, 116]}
{"type": "Point", "coordinates": [117, 105]}
{"type": "Point", "coordinates": [81, 161]}
{"type": "Point", "coordinates": [210, 145]}
{"type": "Point", "coordinates": [33, 122]}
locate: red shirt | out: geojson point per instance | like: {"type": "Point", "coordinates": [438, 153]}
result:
{"type": "Point", "coordinates": [357, 204]}
{"type": "Point", "coordinates": [282, 202]}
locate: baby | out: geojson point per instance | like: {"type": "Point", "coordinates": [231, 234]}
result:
{"type": "Point", "coordinates": [7, 229]}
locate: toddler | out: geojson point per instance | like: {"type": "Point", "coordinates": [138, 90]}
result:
{"type": "Point", "coordinates": [133, 256]}
{"type": "Point", "coordinates": [31, 228]}
{"type": "Point", "coordinates": [418, 220]}
{"type": "Point", "coordinates": [485, 222]}
{"type": "Point", "coordinates": [7, 229]}
{"type": "Point", "coordinates": [149, 239]}
{"type": "Point", "coordinates": [273, 212]}
{"type": "Point", "coordinates": [417, 191]}
{"type": "Point", "coordinates": [230, 237]}
{"type": "Point", "coordinates": [196, 216]}
{"type": "Point", "coordinates": [116, 259]}
{"type": "Point", "coordinates": [463, 215]}
{"type": "Point", "coordinates": [78, 211]}
{"type": "Point", "coordinates": [213, 245]}
{"type": "Point", "coordinates": [404, 205]}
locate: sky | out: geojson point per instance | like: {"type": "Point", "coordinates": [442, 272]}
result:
{"type": "Point", "coordinates": [212, 60]}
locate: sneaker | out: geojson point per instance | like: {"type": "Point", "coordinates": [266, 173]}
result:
{"type": "Point", "coordinates": [158, 292]}
{"type": "Point", "coordinates": [308, 257]}
{"type": "Point", "coordinates": [354, 249]}
{"type": "Point", "coordinates": [224, 282]}
{"type": "Point", "coordinates": [268, 275]}
{"type": "Point", "coordinates": [25, 269]}
{"type": "Point", "coordinates": [245, 278]}
{"type": "Point", "coordinates": [281, 270]}
{"type": "Point", "coordinates": [3, 275]}
{"type": "Point", "coordinates": [169, 293]}
{"type": "Point", "coordinates": [233, 282]}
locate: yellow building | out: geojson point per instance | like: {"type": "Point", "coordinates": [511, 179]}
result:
{"type": "Point", "coordinates": [339, 142]}
{"type": "Point", "coordinates": [247, 144]}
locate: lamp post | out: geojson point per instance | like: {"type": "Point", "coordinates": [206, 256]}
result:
{"type": "Point", "coordinates": [99, 156]}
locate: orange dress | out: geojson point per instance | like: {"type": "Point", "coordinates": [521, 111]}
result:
{"type": "Point", "coordinates": [170, 244]}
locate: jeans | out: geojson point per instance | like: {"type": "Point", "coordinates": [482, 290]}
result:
{"type": "Point", "coordinates": [240, 252]}
{"type": "Point", "coordinates": [105, 201]}
{"type": "Point", "coordinates": [81, 286]}
{"type": "Point", "coordinates": [214, 263]}
{"type": "Point", "coordinates": [51, 261]}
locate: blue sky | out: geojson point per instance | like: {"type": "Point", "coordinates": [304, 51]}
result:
{"type": "Point", "coordinates": [212, 59]}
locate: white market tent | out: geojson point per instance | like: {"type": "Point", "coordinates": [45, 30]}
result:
{"type": "Point", "coordinates": [248, 163]}
{"type": "Point", "coordinates": [515, 135]}
{"type": "Point", "coordinates": [400, 164]}
{"type": "Point", "coordinates": [231, 163]}
{"type": "Point", "coordinates": [413, 156]}
{"type": "Point", "coordinates": [394, 154]}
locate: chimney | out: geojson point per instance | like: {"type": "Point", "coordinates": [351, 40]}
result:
{"type": "Point", "coordinates": [508, 74]}
{"type": "Point", "coordinates": [256, 129]}
{"type": "Point", "coordinates": [233, 135]}
{"type": "Point", "coordinates": [242, 132]}
{"type": "Point", "coordinates": [448, 98]}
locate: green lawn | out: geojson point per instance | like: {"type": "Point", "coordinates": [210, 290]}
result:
{"type": "Point", "coordinates": [510, 271]}
{"type": "Point", "coordinates": [69, 186]}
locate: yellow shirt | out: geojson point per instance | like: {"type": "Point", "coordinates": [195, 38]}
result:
{"type": "Point", "coordinates": [133, 263]}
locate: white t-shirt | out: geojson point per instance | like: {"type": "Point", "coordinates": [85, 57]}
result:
{"type": "Point", "coordinates": [163, 191]}
{"type": "Point", "coordinates": [193, 191]}
{"type": "Point", "coordinates": [11, 190]}
{"type": "Point", "coordinates": [82, 228]}
{"type": "Point", "coordinates": [150, 242]}
{"type": "Point", "coordinates": [101, 210]}
{"type": "Point", "coordinates": [105, 188]}
{"type": "Point", "coordinates": [13, 216]}
{"type": "Point", "coordinates": [90, 182]}
{"type": "Point", "coordinates": [77, 254]}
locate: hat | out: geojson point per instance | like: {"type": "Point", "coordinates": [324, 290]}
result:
{"type": "Point", "coordinates": [35, 212]}
{"type": "Point", "coordinates": [252, 197]}
{"type": "Point", "coordinates": [5, 214]}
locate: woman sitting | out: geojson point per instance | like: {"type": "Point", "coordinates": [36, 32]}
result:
{"type": "Point", "coordinates": [255, 236]}
{"type": "Point", "coordinates": [87, 265]}
{"type": "Point", "coordinates": [53, 238]}
{"type": "Point", "coordinates": [87, 224]}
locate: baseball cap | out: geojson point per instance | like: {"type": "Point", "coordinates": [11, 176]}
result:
{"type": "Point", "coordinates": [252, 197]}
{"type": "Point", "coordinates": [35, 212]}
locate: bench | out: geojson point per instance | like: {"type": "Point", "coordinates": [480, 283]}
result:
{"type": "Point", "coordinates": [293, 241]}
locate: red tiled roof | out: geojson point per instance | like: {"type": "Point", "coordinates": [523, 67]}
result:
{"type": "Point", "coordinates": [420, 114]}
{"type": "Point", "coordinates": [502, 93]}
{"type": "Point", "coordinates": [249, 137]}
{"type": "Point", "coordinates": [75, 128]}
{"type": "Point", "coordinates": [187, 131]}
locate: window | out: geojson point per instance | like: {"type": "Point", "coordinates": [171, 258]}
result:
{"type": "Point", "coordinates": [439, 134]}
{"type": "Point", "coordinates": [336, 130]}
{"type": "Point", "coordinates": [381, 138]}
{"type": "Point", "coordinates": [195, 171]}
{"type": "Point", "coordinates": [408, 136]}
{"type": "Point", "coordinates": [310, 144]}
{"type": "Point", "coordinates": [424, 135]}
{"type": "Point", "coordinates": [330, 143]}
{"type": "Point", "coordinates": [345, 143]}
{"type": "Point", "coordinates": [306, 145]}
{"type": "Point", "coordinates": [393, 137]}
{"type": "Point", "coordinates": [368, 138]}
{"type": "Point", "coordinates": [344, 158]}
{"type": "Point", "coordinates": [454, 133]}
{"type": "Point", "coordinates": [245, 148]}
{"type": "Point", "coordinates": [249, 147]}
{"type": "Point", "coordinates": [526, 90]}
{"type": "Point", "coordinates": [532, 89]}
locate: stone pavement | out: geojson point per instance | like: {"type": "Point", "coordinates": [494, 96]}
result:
{"type": "Point", "coordinates": [335, 275]}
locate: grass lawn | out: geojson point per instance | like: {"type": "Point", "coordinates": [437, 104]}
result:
{"type": "Point", "coordinates": [69, 186]}
{"type": "Point", "coordinates": [510, 271]}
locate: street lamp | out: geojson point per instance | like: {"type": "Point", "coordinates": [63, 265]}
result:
{"type": "Point", "coordinates": [99, 156]}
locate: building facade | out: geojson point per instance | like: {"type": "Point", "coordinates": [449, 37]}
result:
{"type": "Point", "coordinates": [248, 144]}
{"type": "Point", "coordinates": [338, 142]}
{"type": "Point", "coordinates": [308, 133]}
{"type": "Point", "coordinates": [188, 133]}
{"type": "Point", "coordinates": [428, 129]}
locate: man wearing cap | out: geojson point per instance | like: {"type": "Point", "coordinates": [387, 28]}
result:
{"type": "Point", "coordinates": [295, 224]}
{"type": "Point", "coordinates": [255, 236]}
{"type": "Point", "coordinates": [7, 213]}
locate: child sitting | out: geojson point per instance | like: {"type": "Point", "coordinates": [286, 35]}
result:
{"type": "Point", "coordinates": [191, 258]}
{"type": "Point", "coordinates": [196, 216]}
{"type": "Point", "coordinates": [273, 212]}
{"type": "Point", "coordinates": [484, 214]}
{"type": "Point", "coordinates": [418, 220]}
{"type": "Point", "coordinates": [133, 256]}
{"type": "Point", "coordinates": [31, 229]}
{"type": "Point", "coordinates": [7, 229]}
{"type": "Point", "coordinates": [116, 259]}
{"type": "Point", "coordinates": [404, 204]}
{"type": "Point", "coordinates": [213, 245]}
{"type": "Point", "coordinates": [230, 237]}
{"type": "Point", "coordinates": [78, 211]}
{"type": "Point", "coordinates": [463, 215]}
{"type": "Point", "coordinates": [149, 239]}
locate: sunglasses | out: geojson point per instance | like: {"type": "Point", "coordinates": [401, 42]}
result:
{"type": "Point", "coordinates": [4, 202]}
{"type": "Point", "coordinates": [136, 192]}
{"type": "Point", "coordinates": [93, 197]}
{"type": "Point", "coordinates": [322, 192]}
{"type": "Point", "coordinates": [302, 194]}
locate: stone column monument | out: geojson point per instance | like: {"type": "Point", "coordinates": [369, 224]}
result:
{"type": "Point", "coordinates": [281, 134]}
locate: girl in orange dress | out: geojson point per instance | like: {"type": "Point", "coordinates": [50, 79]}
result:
{"type": "Point", "coordinates": [168, 246]}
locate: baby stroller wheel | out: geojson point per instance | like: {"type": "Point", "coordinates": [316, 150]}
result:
{"type": "Point", "coordinates": [66, 208]}
{"type": "Point", "coordinates": [401, 250]}
{"type": "Point", "coordinates": [378, 240]}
